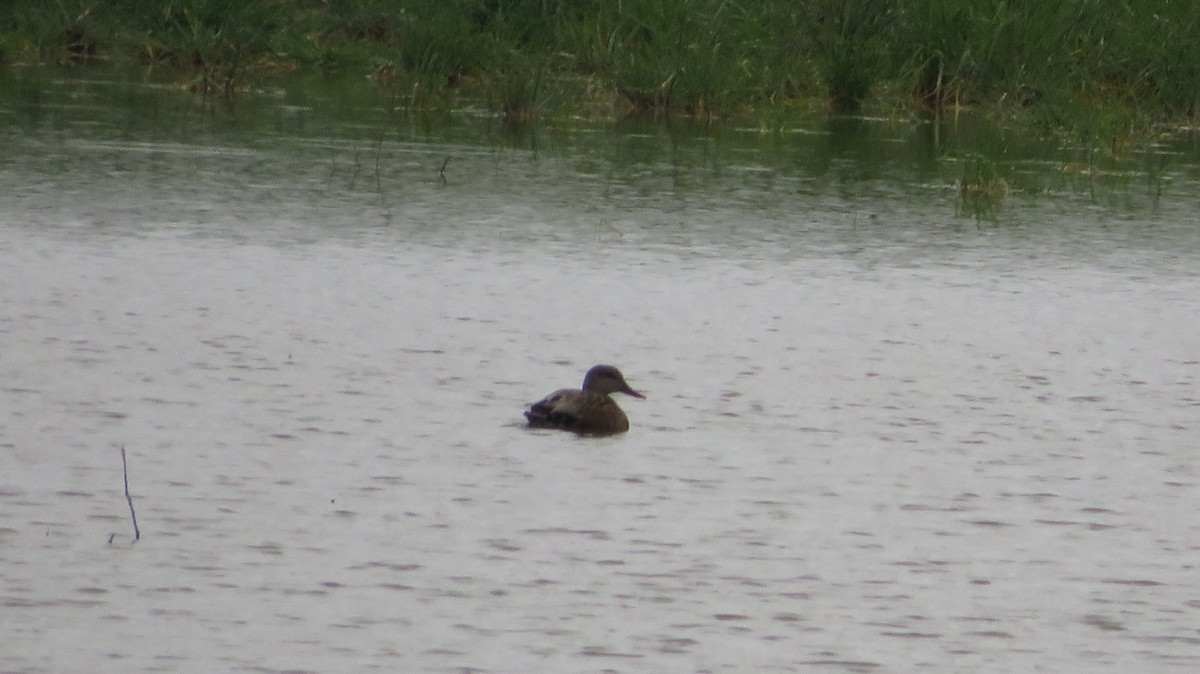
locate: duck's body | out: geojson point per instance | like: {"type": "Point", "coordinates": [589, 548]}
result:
{"type": "Point", "coordinates": [588, 411]}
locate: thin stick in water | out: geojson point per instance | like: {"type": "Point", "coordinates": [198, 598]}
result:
{"type": "Point", "coordinates": [442, 171]}
{"type": "Point", "coordinates": [137, 534]}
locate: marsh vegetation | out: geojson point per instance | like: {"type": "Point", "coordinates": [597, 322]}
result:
{"type": "Point", "coordinates": [1101, 69]}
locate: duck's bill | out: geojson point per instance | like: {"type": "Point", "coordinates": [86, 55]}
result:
{"type": "Point", "coordinates": [633, 393]}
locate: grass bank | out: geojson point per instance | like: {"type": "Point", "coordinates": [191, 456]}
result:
{"type": "Point", "coordinates": [1103, 69]}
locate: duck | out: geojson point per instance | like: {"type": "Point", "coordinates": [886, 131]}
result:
{"type": "Point", "coordinates": [586, 411]}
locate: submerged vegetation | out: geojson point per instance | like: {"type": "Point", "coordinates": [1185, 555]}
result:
{"type": "Point", "coordinates": [1103, 69]}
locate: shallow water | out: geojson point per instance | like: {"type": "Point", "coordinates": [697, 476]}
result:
{"type": "Point", "coordinates": [878, 435]}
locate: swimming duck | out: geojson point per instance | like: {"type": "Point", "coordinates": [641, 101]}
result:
{"type": "Point", "coordinates": [588, 411]}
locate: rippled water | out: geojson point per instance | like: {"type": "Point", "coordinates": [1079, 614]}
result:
{"type": "Point", "coordinates": [878, 436]}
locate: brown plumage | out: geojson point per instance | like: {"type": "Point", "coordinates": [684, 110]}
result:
{"type": "Point", "coordinates": [588, 411]}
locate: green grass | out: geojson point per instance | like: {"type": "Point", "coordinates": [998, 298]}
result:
{"type": "Point", "coordinates": [848, 45]}
{"type": "Point", "coordinates": [1098, 71]}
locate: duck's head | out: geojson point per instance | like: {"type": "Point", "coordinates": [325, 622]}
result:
{"type": "Point", "coordinates": [607, 379]}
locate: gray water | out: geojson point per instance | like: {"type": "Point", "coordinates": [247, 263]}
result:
{"type": "Point", "coordinates": [880, 434]}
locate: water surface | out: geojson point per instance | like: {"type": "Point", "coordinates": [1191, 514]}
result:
{"type": "Point", "coordinates": [880, 434]}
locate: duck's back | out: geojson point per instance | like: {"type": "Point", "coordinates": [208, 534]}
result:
{"type": "Point", "coordinates": [579, 411]}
